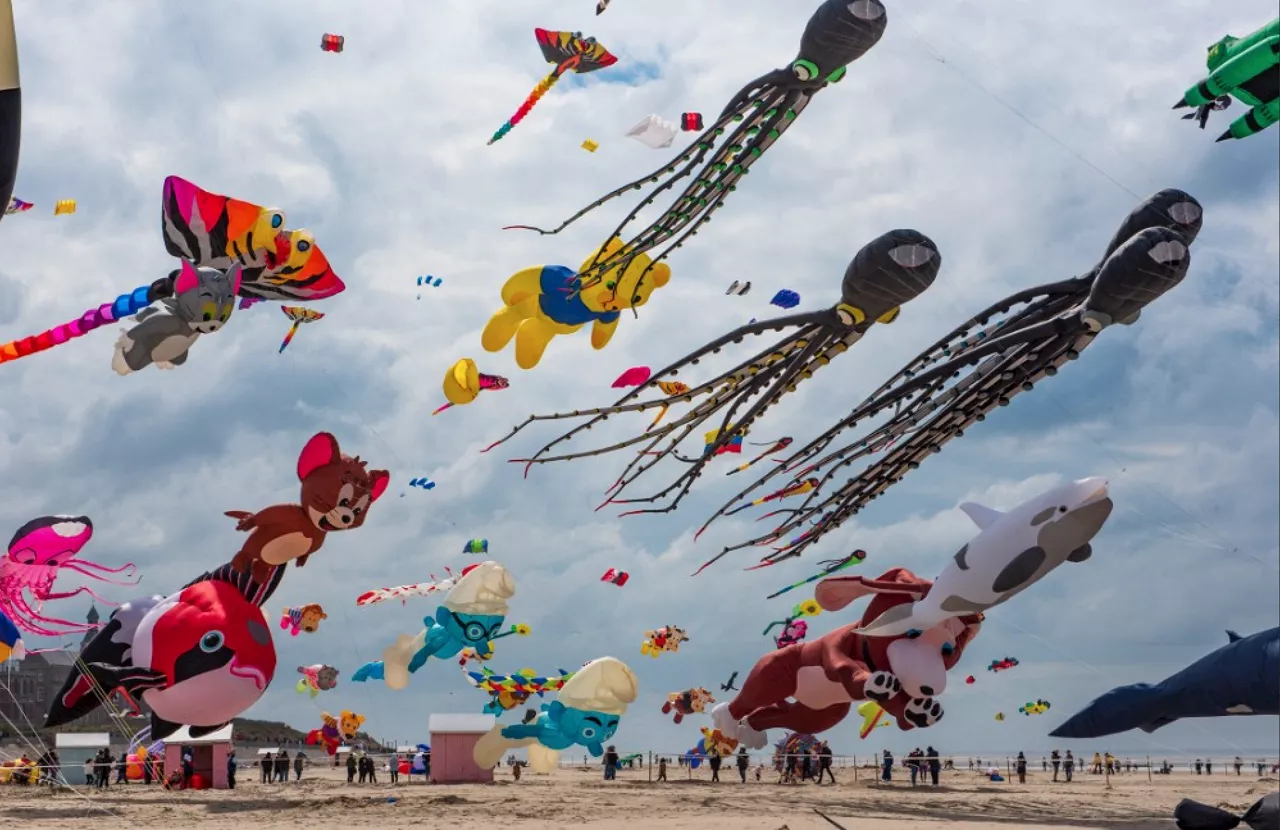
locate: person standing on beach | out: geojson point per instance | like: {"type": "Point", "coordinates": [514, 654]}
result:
{"type": "Point", "coordinates": [824, 762]}
{"type": "Point", "coordinates": [373, 770]}
{"type": "Point", "coordinates": [743, 763]}
{"type": "Point", "coordinates": [1208, 767]}
{"type": "Point", "coordinates": [913, 764]}
{"type": "Point", "coordinates": [886, 772]}
{"type": "Point", "coordinates": [1069, 765]}
{"type": "Point", "coordinates": [935, 765]}
{"type": "Point", "coordinates": [282, 766]}
{"type": "Point", "coordinates": [299, 760]}
{"type": "Point", "coordinates": [231, 770]}
{"type": "Point", "coordinates": [1056, 760]}
{"type": "Point", "coordinates": [1020, 767]}
{"type": "Point", "coordinates": [662, 769]}
{"type": "Point", "coordinates": [1238, 764]}
{"type": "Point", "coordinates": [611, 763]}
{"type": "Point", "coordinates": [89, 772]}
{"type": "Point", "coordinates": [265, 764]}
{"type": "Point", "coordinates": [351, 768]}
{"type": "Point", "coordinates": [395, 767]}
{"type": "Point", "coordinates": [1199, 767]}
{"type": "Point", "coordinates": [715, 766]}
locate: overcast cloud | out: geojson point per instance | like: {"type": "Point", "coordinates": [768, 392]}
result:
{"type": "Point", "coordinates": [994, 128]}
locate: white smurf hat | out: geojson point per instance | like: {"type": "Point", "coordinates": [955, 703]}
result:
{"type": "Point", "coordinates": [604, 685]}
{"type": "Point", "coordinates": [482, 589]}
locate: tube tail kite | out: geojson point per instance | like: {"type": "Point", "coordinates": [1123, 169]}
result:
{"type": "Point", "coordinates": [10, 103]}
{"type": "Point", "coordinates": [298, 315]}
{"type": "Point", "coordinates": [570, 52]}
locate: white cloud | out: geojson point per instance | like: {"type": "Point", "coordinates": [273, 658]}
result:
{"type": "Point", "coordinates": [381, 152]}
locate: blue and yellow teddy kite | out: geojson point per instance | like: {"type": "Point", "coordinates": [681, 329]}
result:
{"type": "Point", "coordinates": [544, 301]}
{"type": "Point", "coordinates": [472, 615]}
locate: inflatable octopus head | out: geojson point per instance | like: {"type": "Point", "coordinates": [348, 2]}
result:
{"type": "Point", "coordinates": [920, 663]}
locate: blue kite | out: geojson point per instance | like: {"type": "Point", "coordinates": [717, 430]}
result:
{"type": "Point", "coordinates": [786, 298]}
{"type": "Point", "coordinates": [1241, 678]}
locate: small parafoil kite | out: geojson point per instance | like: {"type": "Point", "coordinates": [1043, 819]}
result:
{"type": "Point", "coordinates": [654, 131]}
{"type": "Point", "coordinates": [430, 281]}
{"type": "Point", "coordinates": [1003, 665]}
{"type": "Point", "coordinates": [829, 567]}
{"type": "Point", "coordinates": [635, 376]}
{"type": "Point", "coordinates": [590, 146]}
{"type": "Point", "coordinates": [316, 679]}
{"type": "Point", "coordinates": [999, 716]}
{"type": "Point", "coordinates": [691, 122]}
{"type": "Point", "coordinates": [873, 717]}
{"type": "Point", "coordinates": [970, 680]}
{"type": "Point", "coordinates": [1034, 707]}
{"type": "Point", "coordinates": [422, 482]}
{"type": "Point", "coordinates": [64, 206]}
{"type": "Point", "coordinates": [667, 638]}
{"type": "Point", "coordinates": [570, 52]}
{"type": "Point", "coordinates": [738, 289]}
{"type": "Point", "coordinates": [786, 298]}
{"type": "Point", "coordinates": [615, 576]}
{"type": "Point", "coordinates": [332, 43]}
{"type": "Point", "coordinates": [688, 702]}
{"type": "Point", "coordinates": [16, 205]}
{"type": "Point", "coordinates": [302, 618]}
{"type": "Point", "coordinates": [476, 546]}
{"type": "Point", "coordinates": [298, 315]}
{"type": "Point", "coordinates": [464, 382]}
{"type": "Point", "coordinates": [403, 592]}
{"type": "Point", "coordinates": [10, 639]}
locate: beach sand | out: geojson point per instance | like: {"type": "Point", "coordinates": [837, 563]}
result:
{"type": "Point", "coordinates": [572, 798]}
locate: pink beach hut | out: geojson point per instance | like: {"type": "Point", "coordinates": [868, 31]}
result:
{"type": "Point", "coordinates": [453, 742]}
{"type": "Point", "coordinates": [209, 754]}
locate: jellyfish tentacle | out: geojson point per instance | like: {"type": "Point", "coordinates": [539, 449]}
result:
{"type": "Point", "coordinates": [84, 563]}
{"type": "Point", "coordinates": [83, 589]}
{"type": "Point", "coordinates": [35, 619]}
{"type": "Point", "coordinates": [73, 566]}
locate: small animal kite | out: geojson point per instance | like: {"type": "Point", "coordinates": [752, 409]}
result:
{"type": "Point", "coordinates": [617, 577]}
{"type": "Point", "coordinates": [332, 43]}
{"type": "Point", "coordinates": [1003, 665]}
{"type": "Point", "coordinates": [777, 446]}
{"type": "Point", "coordinates": [64, 206]}
{"type": "Point", "coordinates": [464, 382]}
{"type": "Point", "coordinates": [316, 679]}
{"type": "Point", "coordinates": [403, 592]}
{"type": "Point", "coordinates": [738, 289]}
{"type": "Point", "coordinates": [298, 315]}
{"type": "Point", "coordinates": [635, 376]}
{"type": "Point", "coordinates": [829, 567]}
{"type": "Point", "coordinates": [1034, 707]}
{"type": "Point", "coordinates": [728, 685]}
{"type": "Point", "coordinates": [667, 638]}
{"type": "Point", "coordinates": [570, 52]}
{"type": "Point", "coordinates": [16, 205]}
{"type": "Point", "coordinates": [689, 702]}
{"type": "Point", "coordinates": [303, 618]}
{"type": "Point", "coordinates": [785, 299]}
{"type": "Point", "coordinates": [654, 132]}
{"type": "Point", "coordinates": [691, 122]}
{"type": "Point", "coordinates": [794, 628]}
{"type": "Point", "coordinates": [476, 546]}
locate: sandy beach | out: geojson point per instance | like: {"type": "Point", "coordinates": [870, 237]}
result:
{"type": "Point", "coordinates": [581, 799]}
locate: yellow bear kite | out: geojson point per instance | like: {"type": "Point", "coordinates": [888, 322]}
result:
{"type": "Point", "coordinates": [544, 301]}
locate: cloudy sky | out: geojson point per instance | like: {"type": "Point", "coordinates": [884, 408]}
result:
{"type": "Point", "coordinates": [994, 128]}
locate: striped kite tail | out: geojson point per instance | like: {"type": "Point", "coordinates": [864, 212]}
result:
{"type": "Point", "coordinates": [126, 305]}
{"type": "Point", "coordinates": [529, 103]}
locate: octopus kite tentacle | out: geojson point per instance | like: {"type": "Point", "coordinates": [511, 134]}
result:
{"type": "Point", "coordinates": [888, 272]}
{"type": "Point", "coordinates": [942, 395]}
{"type": "Point", "coordinates": [838, 33]}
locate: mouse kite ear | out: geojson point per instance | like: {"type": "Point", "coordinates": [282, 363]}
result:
{"type": "Point", "coordinates": [380, 480]}
{"type": "Point", "coordinates": [322, 449]}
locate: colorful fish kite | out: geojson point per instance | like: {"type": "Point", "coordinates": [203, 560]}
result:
{"type": "Point", "coordinates": [797, 488]}
{"type": "Point", "coordinates": [570, 52]}
{"type": "Point", "coordinates": [298, 315]}
{"type": "Point", "coordinates": [464, 381]}
{"type": "Point", "coordinates": [210, 231]}
{"type": "Point", "coordinates": [1003, 665]}
{"type": "Point", "coordinates": [828, 567]}
{"type": "Point", "coordinates": [403, 592]}
{"type": "Point", "coordinates": [635, 376]}
{"type": "Point", "coordinates": [476, 546]}
{"type": "Point", "coordinates": [777, 446]}
{"type": "Point", "coordinates": [16, 205]}
{"type": "Point", "coordinates": [615, 576]}
{"type": "Point", "coordinates": [785, 299]}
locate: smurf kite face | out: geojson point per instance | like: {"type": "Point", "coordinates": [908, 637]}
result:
{"type": "Point", "coordinates": [586, 727]}
{"type": "Point", "coordinates": [476, 629]}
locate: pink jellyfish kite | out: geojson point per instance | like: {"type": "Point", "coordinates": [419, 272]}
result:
{"type": "Point", "coordinates": [38, 551]}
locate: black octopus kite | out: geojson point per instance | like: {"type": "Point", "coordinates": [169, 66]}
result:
{"type": "Point", "coordinates": [968, 373]}
{"type": "Point", "coordinates": [889, 271]}
{"type": "Point", "coordinates": [837, 34]}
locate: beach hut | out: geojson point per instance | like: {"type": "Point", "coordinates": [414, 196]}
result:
{"type": "Point", "coordinates": [453, 741]}
{"type": "Point", "coordinates": [209, 754]}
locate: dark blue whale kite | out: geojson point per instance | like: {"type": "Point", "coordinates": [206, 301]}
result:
{"type": "Point", "coordinates": [1241, 678]}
